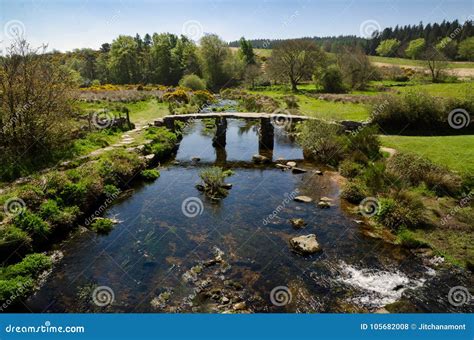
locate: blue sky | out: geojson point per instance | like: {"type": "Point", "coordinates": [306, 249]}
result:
{"type": "Point", "coordinates": [69, 24]}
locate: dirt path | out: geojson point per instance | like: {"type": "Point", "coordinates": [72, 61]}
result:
{"type": "Point", "coordinates": [391, 152]}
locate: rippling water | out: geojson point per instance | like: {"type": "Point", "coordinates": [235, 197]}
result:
{"type": "Point", "coordinates": [157, 257]}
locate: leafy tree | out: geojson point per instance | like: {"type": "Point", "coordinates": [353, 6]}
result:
{"type": "Point", "coordinates": [355, 67]}
{"type": "Point", "coordinates": [415, 48]}
{"type": "Point", "coordinates": [466, 49]}
{"type": "Point", "coordinates": [123, 62]}
{"type": "Point", "coordinates": [388, 47]}
{"type": "Point", "coordinates": [330, 79]}
{"type": "Point", "coordinates": [214, 53]}
{"type": "Point", "coordinates": [246, 51]}
{"type": "Point", "coordinates": [163, 62]}
{"type": "Point", "coordinates": [252, 72]}
{"type": "Point", "coordinates": [295, 60]}
{"type": "Point", "coordinates": [448, 46]}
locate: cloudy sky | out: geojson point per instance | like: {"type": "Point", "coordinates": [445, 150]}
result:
{"type": "Point", "coordinates": [69, 24]}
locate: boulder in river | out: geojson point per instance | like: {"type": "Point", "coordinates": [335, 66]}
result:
{"type": "Point", "coordinates": [324, 205]}
{"type": "Point", "coordinates": [298, 223]}
{"type": "Point", "coordinates": [305, 244]}
{"type": "Point", "coordinates": [282, 166]}
{"type": "Point", "coordinates": [304, 199]}
{"type": "Point", "coordinates": [291, 164]}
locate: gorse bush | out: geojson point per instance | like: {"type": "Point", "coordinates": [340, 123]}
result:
{"type": "Point", "coordinates": [150, 174]}
{"type": "Point", "coordinates": [354, 191]}
{"type": "Point", "coordinates": [177, 96]}
{"type": "Point", "coordinates": [330, 79]}
{"type": "Point", "coordinates": [365, 141]}
{"type": "Point", "coordinates": [349, 169]}
{"type": "Point", "coordinates": [402, 210]}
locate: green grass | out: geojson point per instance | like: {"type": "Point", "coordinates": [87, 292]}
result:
{"type": "Point", "coordinates": [454, 152]}
{"type": "Point", "coordinates": [453, 90]}
{"type": "Point", "coordinates": [146, 111]}
{"type": "Point", "coordinates": [314, 107]}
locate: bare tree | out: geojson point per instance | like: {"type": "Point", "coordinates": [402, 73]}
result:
{"type": "Point", "coordinates": [355, 67]}
{"type": "Point", "coordinates": [294, 61]}
{"type": "Point", "coordinates": [436, 62]}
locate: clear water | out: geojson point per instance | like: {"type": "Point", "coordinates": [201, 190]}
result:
{"type": "Point", "coordinates": [155, 243]}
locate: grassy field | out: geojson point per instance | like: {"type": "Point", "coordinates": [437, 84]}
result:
{"type": "Point", "coordinates": [454, 90]}
{"type": "Point", "coordinates": [314, 107]}
{"type": "Point", "coordinates": [454, 152]}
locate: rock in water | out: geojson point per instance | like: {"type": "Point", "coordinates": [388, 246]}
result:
{"type": "Point", "coordinates": [291, 164]}
{"type": "Point", "coordinates": [306, 244]}
{"type": "Point", "coordinates": [260, 159]}
{"type": "Point", "coordinates": [324, 205]}
{"type": "Point", "coordinates": [298, 223]}
{"type": "Point", "coordinates": [304, 199]}
{"type": "Point", "coordinates": [298, 171]}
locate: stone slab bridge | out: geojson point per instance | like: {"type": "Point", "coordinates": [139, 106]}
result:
{"type": "Point", "coordinates": [268, 121]}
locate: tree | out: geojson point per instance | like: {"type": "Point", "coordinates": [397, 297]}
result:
{"type": "Point", "coordinates": [466, 49]}
{"type": "Point", "coordinates": [163, 62]}
{"type": "Point", "coordinates": [123, 61]}
{"type": "Point", "coordinates": [35, 105]}
{"type": "Point", "coordinates": [436, 63]}
{"type": "Point", "coordinates": [246, 51]}
{"type": "Point", "coordinates": [330, 79]}
{"type": "Point", "coordinates": [415, 48]}
{"type": "Point", "coordinates": [295, 60]}
{"type": "Point", "coordinates": [388, 47]}
{"type": "Point", "coordinates": [355, 67]}
{"type": "Point", "coordinates": [252, 72]}
{"type": "Point", "coordinates": [214, 53]}
{"type": "Point", "coordinates": [448, 47]}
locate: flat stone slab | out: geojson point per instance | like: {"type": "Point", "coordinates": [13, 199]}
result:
{"type": "Point", "coordinates": [305, 244]}
{"type": "Point", "coordinates": [304, 199]}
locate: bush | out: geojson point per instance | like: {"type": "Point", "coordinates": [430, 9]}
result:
{"type": "Point", "coordinates": [61, 216]}
{"type": "Point", "coordinates": [177, 96]}
{"type": "Point", "coordinates": [163, 142]}
{"type": "Point", "coordinates": [418, 110]}
{"type": "Point", "coordinates": [213, 180]}
{"type": "Point", "coordinates": [366, 140]}
{"type": "Point", "coordinates": [102, 225]}
{"type": "Point", "coordinates": [331, 80]}
{"type": "Point", "coordinates": [31, 266]}
{"type": "Point", "coordinates": [11, 238]}
{"type": "Point", "coordinates": [31, 223]}
{"type": "Point", "coordinates": [74, 194]}
{"type": "Point", "coordinates": [354, 191]}
{"type": "Point", "coordinates": [322, 141]}
{"type": "Point", "coordinates": [118, 166]}
{"type": "Point", "coordinates": [201, 98]}
{"type": "Point", "coordinates": [150, 175]}
{"type": "Point", "coordinates": [349, 169]}
{"type": "Point", "coordinates": [193, 82]}
{"type": "Point", "coordinates": [415, 170]}
{"type": "Point", "coordinates": [111, 190]}
{"type": "Point", "coordinates": [404, 210]}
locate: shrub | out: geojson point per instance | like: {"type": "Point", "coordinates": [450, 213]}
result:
{"type": "Point", "coordinates": [56, 181]}
{"type": "Point", "coordinates": [354, 191]}
{"type": "Point", "coordinates": [193, 82]}
{"type": "Point", "coordinates": [213, 179]}
{"type": "Point", "coordinates": [62, 216]}
{"type": "Point", "coordinates": [404, 210]}
{"type": "Point", "coordinates": [111, 190]}
{"type": "Point", "coordinates": [32, 195]}
{"type": "Point", "coordinates": [118, 166]}
{"type": "Point", "coordinates": [163, 142]}
{"type": "Point", "coordinates": [349, 169]}
{"type": "Point", "coordinates": [74, 194]}
{"type": "Point", "coordinates": [201, 98]}
{"type": "Point", "coordinates": [11, 238]}
{"type": "Point", "coordinates": [15, 288]}
{"type": "Point", "coordinates": [322, 141]}
{"type": "Point", "coordinates": [414, 170]}
{"type": "Point", "coordinates": [31, 266]}
{"type": "Point", "coordinates": [366, 141]}
{"type": "Point", "coordinates": [31, 223]}
{"type": "Point", "coordinates": [331, 80]}
{"type": "Point", "coordinates": [418, 110]}
{"type": "Point", "coordinates": [150, 175]}
{"type": "Point", "coordinates": [102, 225]}
{"type": "Point", "coordinates": [177, 96]}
